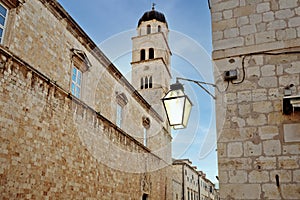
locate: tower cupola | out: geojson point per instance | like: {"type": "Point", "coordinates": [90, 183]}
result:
{"type": "Point", "coordinates": [151, 71]}
{"type": "Point", "coordinates": [153, 14]}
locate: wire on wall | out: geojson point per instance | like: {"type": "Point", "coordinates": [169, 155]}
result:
{"type": "Point", "coordinates": [259, 53]}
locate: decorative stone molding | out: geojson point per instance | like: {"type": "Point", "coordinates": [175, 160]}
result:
{"type": "Point", "coordinates": [146, 122]}
{"type": "Point", "coordinates": [80, 60]}
{"type": "Point", "coordinates": [121, 99]}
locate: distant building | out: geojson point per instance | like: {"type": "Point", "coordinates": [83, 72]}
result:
{"type": "Point", "coordinates": [72, 127]}
{"type": "Point", "coordinates": [190, 184]}
{"type": "Point", "coordinates": [256, 54]}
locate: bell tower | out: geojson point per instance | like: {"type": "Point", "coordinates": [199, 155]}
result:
{"type": "Point", "coordinates": [151, 54]}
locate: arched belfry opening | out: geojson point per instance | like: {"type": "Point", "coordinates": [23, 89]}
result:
{"type": "Point", "coordinates": [151, 70]}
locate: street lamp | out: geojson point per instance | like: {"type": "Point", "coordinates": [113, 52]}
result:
{"type": "Point", "coordinates": [178, 105]}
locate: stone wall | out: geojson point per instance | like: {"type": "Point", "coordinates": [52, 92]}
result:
{"type": "Point", "coordinates": [257, 159]}
{"type": "Point", "coordinates": [53, 146]}
{"type": "Point", "coordinates": [243, 26]}
{"type": "Point", "coordinates": [42, 33]}
{"type": "Point", "coordinates": [177, 182]}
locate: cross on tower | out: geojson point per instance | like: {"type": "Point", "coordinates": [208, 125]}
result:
{"type": "Point", "coordinates": [153, 6]}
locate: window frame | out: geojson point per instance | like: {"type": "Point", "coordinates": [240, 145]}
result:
{"type": "Point", "coordinates": [151, 53]}
{"type": "Point", "coordinates": [145, 136]}
{"type": "Point", "coordinates": [150, 82]}
{"type": "Point", "coordinates": [121, 100]}
{"type": "Point", "coordinates": [148, 29]}
{"type": "Point", "coordinates": [119, 115]}
{"type": "Point", "coordinates": [75, 82]}
{"type": "Point", "coordinates": [143, 54]}
{"type": "Point", "coordinates": [4, 26]}
{"type": "Point", "coordinates": [142, 83]}
{"type": "Point", "coordinates": [146, 125]}
{"type": "Point", "coordinates": [81, 63]}
{"type": "Point", "coordinates": [146, 82]}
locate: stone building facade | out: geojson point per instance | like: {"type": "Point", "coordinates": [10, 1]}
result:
{"type": "Point", "coordinates": [257, 116]}
{"type": "Point", "coordinates": [191, 184]}
{"type": "Point", "coordinates": [72, 127]}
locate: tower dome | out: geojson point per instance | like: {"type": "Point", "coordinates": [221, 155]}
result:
{"type": "Point", "coordinates": [153, 14]}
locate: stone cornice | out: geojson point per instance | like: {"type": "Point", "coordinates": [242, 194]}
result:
{"type": "Point", "coordinates": [265, 47]}
{"type": "Point", "coordinates": [153, 60]}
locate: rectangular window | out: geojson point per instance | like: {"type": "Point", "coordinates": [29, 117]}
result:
{"type": "Point", "coordinates": [145, 136]}
{"type": "Point", "coordinates": [3, 17]}
{"type": "Point", "coordinates": [76, 82]}
{"type": "Point", "coordinates": [119, 115]}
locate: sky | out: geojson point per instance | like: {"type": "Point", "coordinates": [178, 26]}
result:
{"type": "Point", "coordinates": [112, 23]}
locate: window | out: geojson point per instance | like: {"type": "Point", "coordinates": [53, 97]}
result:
{"type": "Point", "coordinates": [142, 83]}
{"type": "Point", "coordinates": [76, 82]}
{"type": "Point", "coordinates": [119, 115]}
{"type": "Point", "coordinates": [145, 136]}
{"type": "Point", "coordinates": [146, 125]}
{"type": "Point", "coordinates": [150, 82]}
{"type": "Point", "coordinates": [146, 82]}
{"type": "Point", "coordinates": [159, 28]}
{"type": "Point", "coordinates": [151, 53]}
{"type": "Point", "coordinates": [148, 29]}
{"type": "Point", "coordinates": [143, 54]}
{"type": "Point", "coordinates": [121, 102]}
{"type": "Point", "coordinates": [80, 64]}
{"type": "Point", "coordinates": [3, 18]}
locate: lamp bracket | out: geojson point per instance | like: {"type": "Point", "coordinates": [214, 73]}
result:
{"type": "Point", "coordinates": [199, 83]}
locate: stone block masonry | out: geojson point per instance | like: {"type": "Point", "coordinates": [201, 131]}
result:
{"type": "Point", "coordinates": [258, 146]}
{"type": "Point", "coordinates": [256, 24]}
{"type": "Point", "coordinates": [53, 147]}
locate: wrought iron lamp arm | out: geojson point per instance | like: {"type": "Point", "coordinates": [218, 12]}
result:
{"type": "Point", "coordinates": [199, 84]}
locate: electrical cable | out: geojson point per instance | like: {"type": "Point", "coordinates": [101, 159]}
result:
{"type": "Point", "coordinates": [244, 73]}
{"type": "Point", "coordinates": [259, 53]}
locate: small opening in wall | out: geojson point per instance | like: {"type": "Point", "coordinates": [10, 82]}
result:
{"type": "Point", "coordinates": [231, 60]}
{"type": "Point", "coordinates": [258, 167]}
{"type": "Point", "coordinates": [145, 197]}
{"type": "Point", "coordinates": [277, 180]}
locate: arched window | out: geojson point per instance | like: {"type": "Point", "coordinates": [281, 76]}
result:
{"type": "Point", "coordinates": [142, 83]}
{"type": "Point", "coordinates": [151, 53]}
{"type": "Point", "coordinates": [148, 29]}
{"type": "Point", "coordinates": [143, 54]}
{"type": "Point", "coordinates": [150, 82]}
{"type": "Point", "coordinates": [146, 82]}
{"type": "Point", "coordinates": [158, 28]}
